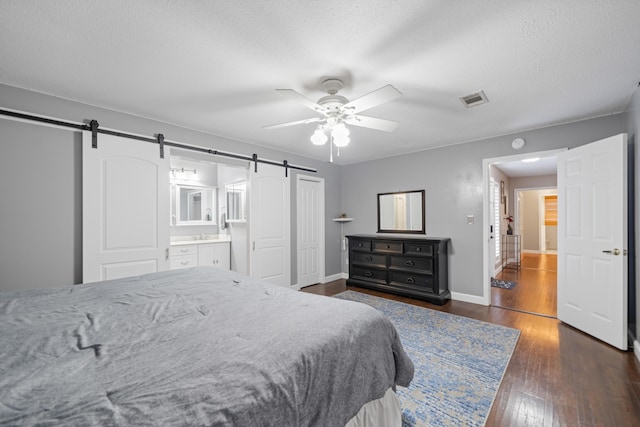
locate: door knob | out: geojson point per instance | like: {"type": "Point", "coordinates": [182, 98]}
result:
{"type": "Point", "coordinates": [615, 251]}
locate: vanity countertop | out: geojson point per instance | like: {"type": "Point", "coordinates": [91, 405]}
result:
{"type": "Point", "coordinates": [199, 239]}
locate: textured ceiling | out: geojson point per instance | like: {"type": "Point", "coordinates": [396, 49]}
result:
{"type": "Point", "coordinates": [214, 65]}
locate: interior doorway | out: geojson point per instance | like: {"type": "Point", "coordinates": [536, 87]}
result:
{"type": "Point", "coordinates": [521, 273]}
{"type": "Point", "coordinates": [535, 289]}
{"type": "Point", "coordinates": [536, 286]}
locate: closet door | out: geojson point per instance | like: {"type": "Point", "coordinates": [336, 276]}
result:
{"type": "Point", "coordinates": [310, 229]}
{"type": "Point", "coordinates": [125, 208]}
{"type": "Point", "coordinates": [270, 225]}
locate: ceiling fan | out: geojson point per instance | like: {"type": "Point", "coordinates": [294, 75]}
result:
{"type": "Point", "coordinates": [336, 111]}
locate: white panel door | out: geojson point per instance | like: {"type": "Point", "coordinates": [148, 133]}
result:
{"type": "Point", "coordinates": [309, 230]}
{"type": "Point", "coordinates": [125, 208]}
{"type": "Point", "coordinates": [270, 225]}
{"type": "Point", "coordinates": [592, 239]}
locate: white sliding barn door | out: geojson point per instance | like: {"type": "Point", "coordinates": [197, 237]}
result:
{"type": "Point", "coordinates": [125, 208]}
{"type": "Point", "coordinates": [310, 230]}
{"type": "Point", "coordinates": [592, 239]}
{"type": "Point", "coordinates": [270, 225]}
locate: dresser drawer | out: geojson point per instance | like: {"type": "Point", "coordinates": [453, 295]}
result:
{"type": "Point", "coordinates": [183, 250]}
{"type": "Point", "coordinates": [360, 245]}
{"type": "Point", "coordinates": [369, 274]}
{"type": "Point", "coordinates": [387, 246]}
{"type": "Point", "coordinates": [369, 259]}
{"type": "Point", "coordinates": [421, 282]}
{"type": "Point", "coordinates": [413, 264]}
{"type": "Point", "coordinates": [183, 261]}
{"type": "Point", "coordinates": [411, 248]}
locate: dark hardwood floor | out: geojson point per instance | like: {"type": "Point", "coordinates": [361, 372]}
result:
{"type": "Point", "coordinates": [536, 291]}
{"type": "Point", "coordinates": [558, 376]}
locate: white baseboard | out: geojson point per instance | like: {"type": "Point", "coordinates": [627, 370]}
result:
{"type": "Point", "coordinates": [326, 279]}
{"type": "Point", "coordinates": [636, 349]}
{"type": "Point", "coordinates": [336, 276]}
{"type": "Point", "coordinates": [457, 296]}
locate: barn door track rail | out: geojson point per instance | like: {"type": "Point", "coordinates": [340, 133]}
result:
{"type": "Point", "coordinates": [94, 127]}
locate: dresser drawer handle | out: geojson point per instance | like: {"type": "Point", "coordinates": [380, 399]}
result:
{"type": "Point", "coordinates": [184, 262]}
{"type": "Point", "coordinates": [184, 250]}
{"type": "Point", "coordinates": [418, 249]}
{"type": "Point", "coordinates": [411, 280]}
{"type": "Point", "coordinates": [368, 273]}
{"type": "Point", "coordinates": [360, 245]}
{"type": "Point", "coordinates": [369, 258]}
{"type": "Point", "coordinates": [409, 263]}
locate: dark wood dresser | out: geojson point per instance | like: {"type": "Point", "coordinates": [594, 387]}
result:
{"type": "Point", "coordinates": [409, 266]}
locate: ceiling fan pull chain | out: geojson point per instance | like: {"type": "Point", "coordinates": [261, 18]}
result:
{"type": "Point", "coordinates": [331, 151]}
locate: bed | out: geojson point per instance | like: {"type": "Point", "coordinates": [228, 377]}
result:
{"type": "Point", "coordinates": [197, 346]}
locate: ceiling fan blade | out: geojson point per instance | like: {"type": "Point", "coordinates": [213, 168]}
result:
{"type": "Point", "coordinates": [372, 122]}
{"type": "Point", "coordinates": [380, 96]}
{"type": "Point", "coordinates": [301, 99]}
{"type": "Point", "coordinates": [299, 122]}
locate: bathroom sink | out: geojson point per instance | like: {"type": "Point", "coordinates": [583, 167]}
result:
{"type": "Point", "coordinates": [192, 240]}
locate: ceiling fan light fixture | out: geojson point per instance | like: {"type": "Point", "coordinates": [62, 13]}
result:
{"type": "Point", "coordinates": [336, 112]}
{"type": "Point", "coordinates": [319, 137]}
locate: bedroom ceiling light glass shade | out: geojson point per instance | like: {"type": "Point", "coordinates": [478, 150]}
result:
{"type": "Point", "coordinates": [340, 135]}
{"type": "Point", "coordinates": [319, 137]}
{"type": "Point", "coordinates": [340, 130]}
{"type": "Point", "coordinates": [340, 141]}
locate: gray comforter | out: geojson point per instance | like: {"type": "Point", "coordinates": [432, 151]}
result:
{"type": "Point", "coordinates": [198, 346]}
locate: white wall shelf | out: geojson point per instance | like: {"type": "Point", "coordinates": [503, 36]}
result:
{"type": "Point", "coordinates": [343, 219]}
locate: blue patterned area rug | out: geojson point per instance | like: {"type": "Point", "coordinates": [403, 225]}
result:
{"type": "Point", "coordinates": [503, 284]}
{"type": "Point", "coordinates": [459, 362]}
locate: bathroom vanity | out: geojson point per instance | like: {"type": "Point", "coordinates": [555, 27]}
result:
{"type": "Point", "coordinates": [191, 251]}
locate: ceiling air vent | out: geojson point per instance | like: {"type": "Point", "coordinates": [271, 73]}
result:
{"type": "Point", "coordinates": [474, 99]}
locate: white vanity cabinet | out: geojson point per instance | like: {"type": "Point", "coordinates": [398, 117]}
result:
{"type": "Point", "coordinates": [183, 256]}
{"type": "Point", "coordinates": [194, 254]}
{"type": "Point", "coordinates": [217, 254]}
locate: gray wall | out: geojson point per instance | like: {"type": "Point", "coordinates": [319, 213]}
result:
{"type": "Point", "coordinates": [40, 207]}
{"type": "Point", "coordinates": [41, 238]}
{"type": "Point", "coordinates": [41, 178]}
{"type": "Point", "coordinates": [452, 177]}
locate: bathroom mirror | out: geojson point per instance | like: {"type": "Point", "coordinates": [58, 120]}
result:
{"type": "Point", "coordinates": [195, 205]}
{"type": "Point", "coordinates": [236, 200]}
{"type": "Point", "coordinates": [401, 212]}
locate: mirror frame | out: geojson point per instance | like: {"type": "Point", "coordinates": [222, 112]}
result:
{"type": "Point", "coordinates": [177, 204]}
{"type": "Point", "coordinates": [231, 188]}
{"type": "Point", "coordinates": [422, 225]}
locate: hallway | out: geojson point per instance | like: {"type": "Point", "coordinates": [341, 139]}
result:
{"type": "Point", "coordinates": [536, 291]}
